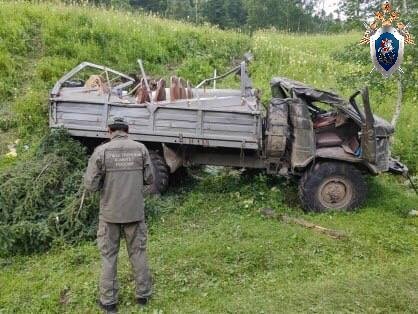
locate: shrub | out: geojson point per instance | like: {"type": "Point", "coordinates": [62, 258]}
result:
{"type": "Point", "coordinates": [40, 198]}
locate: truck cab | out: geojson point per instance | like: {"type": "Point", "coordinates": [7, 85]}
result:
{"type": "Point", "coordinates": [329, 142]}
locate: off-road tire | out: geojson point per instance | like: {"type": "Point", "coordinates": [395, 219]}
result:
{"type": "Point", "coordinates": [179, 177]}
{"type": "Point", "coordinates": [332, 186]}
{"type": "Point", "coordinates": [160, 172]}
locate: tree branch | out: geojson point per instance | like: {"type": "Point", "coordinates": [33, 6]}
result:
{"type": "Point", "coordinates": [398, 104]}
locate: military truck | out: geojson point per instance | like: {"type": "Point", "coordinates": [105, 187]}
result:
{"type": "Point", "coordinates": [328, 143]}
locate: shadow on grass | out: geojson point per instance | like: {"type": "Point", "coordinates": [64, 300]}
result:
{"type": "Point", "coordinates": [231, 190]}
{"type": "Point", "coordinates": [237, 191]}
{"type": "Point", "coordinates": [387, 194]}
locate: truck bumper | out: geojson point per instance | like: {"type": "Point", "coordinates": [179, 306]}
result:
{"type": "Point", "coordinates": [396, 167]}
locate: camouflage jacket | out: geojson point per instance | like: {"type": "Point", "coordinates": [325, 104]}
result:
{"type": "Point", "coordinates": [118, 169]}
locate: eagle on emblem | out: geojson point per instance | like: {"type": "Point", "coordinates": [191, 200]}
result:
{"type": "Point", "coordinates": [386, 18]}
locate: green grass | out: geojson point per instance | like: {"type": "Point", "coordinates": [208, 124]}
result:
{"type": "Point", "coordinates": [210, 250]}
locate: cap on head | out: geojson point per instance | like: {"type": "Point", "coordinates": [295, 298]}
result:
{"type": "Point", "coordinates": [117, 121]}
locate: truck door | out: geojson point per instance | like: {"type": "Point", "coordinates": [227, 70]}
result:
{"type": "Point", "coordinates": [368, 132]}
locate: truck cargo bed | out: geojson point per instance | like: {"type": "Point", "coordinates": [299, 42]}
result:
{"type": "Point", "coordinates": [224, 121]}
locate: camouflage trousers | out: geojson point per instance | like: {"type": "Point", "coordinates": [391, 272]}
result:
{"type": "Point", "coordinates": [108, 239]}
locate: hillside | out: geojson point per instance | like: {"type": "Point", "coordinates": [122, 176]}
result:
{"type": "Point", "coordinates": [210, 250]}
{"type": "Point", "coordinates": [35, 50]}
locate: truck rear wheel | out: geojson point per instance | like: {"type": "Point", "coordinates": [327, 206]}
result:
{"type": "Point", "coordinates": [160, 172]}
{"type": "Point", "coordinates": [332, 185]}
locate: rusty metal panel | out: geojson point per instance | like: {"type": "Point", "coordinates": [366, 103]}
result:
{"type": "Point", "coordinates": [382, 153]}
{"type": "Point", "coordinates": [303, 145]}
{"type": "Point", "coordinates": [236, 125]}
{"type": "Point", "coordinates": [70, 115]}
{"type": "Point", "coordinates": [178, 121]}
{"type": "Point", "coordinates": [138, 117]}
{"type": "Point", "coordinates": [277, 128]}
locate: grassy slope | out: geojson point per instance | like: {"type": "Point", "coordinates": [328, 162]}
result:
{"type": "Point", "coordinates": [37, 48]}
{"type": "Point", "coordinates": [211, 251]}
{"type": "Point", "coordinates": [209, 248]}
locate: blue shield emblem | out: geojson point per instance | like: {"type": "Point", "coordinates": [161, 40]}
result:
{"type": "Point", "coordinates": [386, 48]}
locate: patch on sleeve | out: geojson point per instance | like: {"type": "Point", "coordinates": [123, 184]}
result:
{"type": "Point", "coordinates": [123, 160]}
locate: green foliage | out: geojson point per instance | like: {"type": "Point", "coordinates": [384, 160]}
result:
{"type": "Point", "coordinates": [6, 122]}
{"type": "Point", "coordinates": [179, 9]}
{"type": "Point", "coordinates": [6, 161]}
{"type": "Point", "coordinates": [210, 251]}
{"type": "Point", "coordinates": [359, 11]}
{"type": "Point", "coordinates": [151, 5]}
{"type": "Point", "coordinates": [40, 198]}
{"type": "Point", "coordinates": [296, 16]}
{"type": "Point", "coordinates": [37, 49]}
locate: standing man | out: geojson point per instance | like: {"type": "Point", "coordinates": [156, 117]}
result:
{"type": "Point", "coordinates": [118, 169]}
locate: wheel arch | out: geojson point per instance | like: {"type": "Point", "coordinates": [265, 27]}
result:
{"type": "Point", "coordinates": [337, 154]}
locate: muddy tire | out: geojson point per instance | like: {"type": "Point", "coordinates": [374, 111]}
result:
{"type": "Point", "coordinates": [179, 177]}
{"type": "Point", "coordinates": [161, 174]}
{"type": "Point", "coordinates": [332, 186]}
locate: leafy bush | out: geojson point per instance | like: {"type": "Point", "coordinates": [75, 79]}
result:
{"type": "Point", "coordinates": [40, 198]}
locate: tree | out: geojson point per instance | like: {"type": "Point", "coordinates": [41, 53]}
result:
{"type": "Point", "coordinates": [356, 11]}
{"type": "Point", "coordinates": [180, 9]}
{"type": "Point", "coordinates": [290, 15]}
{"type": "Point", "coordinates": [236, 14]}
{"type": "Point", "coordinates": [215, 12]}
{"type": "Point", "coordinates": [150, 5]}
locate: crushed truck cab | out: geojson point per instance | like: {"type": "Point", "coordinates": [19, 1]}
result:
{"type": "Point", "coordinates": [340, 132]}
{"type": "Point", "coordinates": [325, 141]}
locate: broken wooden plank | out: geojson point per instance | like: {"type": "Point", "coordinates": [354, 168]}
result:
{"type": "Point", "coordinates": [335, 234]}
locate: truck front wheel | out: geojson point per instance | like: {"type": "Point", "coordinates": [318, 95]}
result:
{"type": "Point", "coordinates": [332, 185]}
{"type": "Point", "coordinates": [160, 173]}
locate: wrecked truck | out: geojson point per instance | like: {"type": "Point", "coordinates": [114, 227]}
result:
{"type": "Point", "coordinates": [327, 143]}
